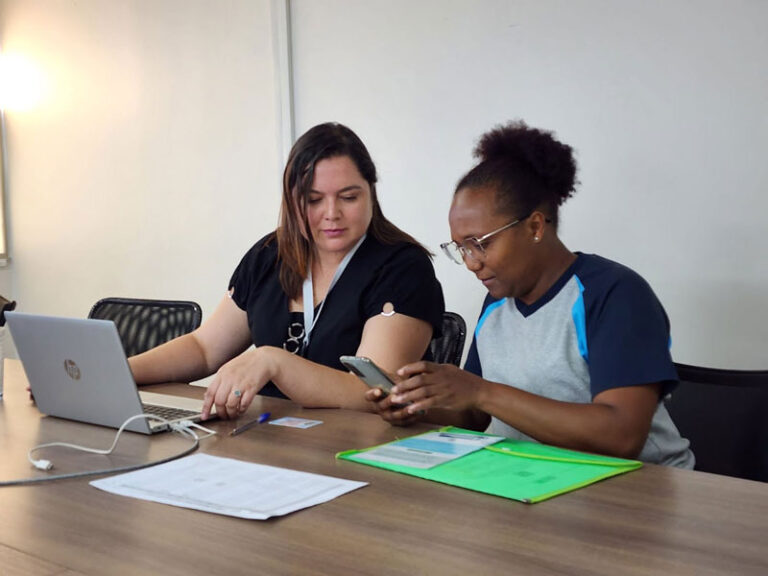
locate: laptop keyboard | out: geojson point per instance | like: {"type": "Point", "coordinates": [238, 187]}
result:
{"type": "Point", "coordinates": [169, 413]}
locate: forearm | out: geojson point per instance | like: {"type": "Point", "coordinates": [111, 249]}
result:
{"type": "Point", "coordinates": [180, 360]}
{"type": "Point", "coordinates": [469, 419]}
{"type": "Point", "coordinates": [314, 385]}
{"type": "Point", "coordinates": [593, 427]}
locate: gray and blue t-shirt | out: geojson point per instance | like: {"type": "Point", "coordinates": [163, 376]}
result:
{"type": "Point", "coordinates": [600, 326]}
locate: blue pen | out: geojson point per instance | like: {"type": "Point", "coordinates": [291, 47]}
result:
{"type": "Point", "coordinates": [260, 420]}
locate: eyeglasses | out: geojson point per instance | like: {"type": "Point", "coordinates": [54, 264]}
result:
{"type": "Point", "coordinates": [472, 247]}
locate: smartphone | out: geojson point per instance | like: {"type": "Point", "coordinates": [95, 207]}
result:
{"type": "Point", "coordinates": [368, 372]}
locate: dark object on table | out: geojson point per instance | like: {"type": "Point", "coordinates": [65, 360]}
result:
{"type": "Point", "coordinates": [7, 306]}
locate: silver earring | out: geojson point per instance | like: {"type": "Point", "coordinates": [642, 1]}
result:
{"type": "Point", "coordinates": [536, 238]}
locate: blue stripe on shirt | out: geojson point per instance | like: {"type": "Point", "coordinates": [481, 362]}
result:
{"type": "Point", "coordinates": [579, 315]}
{"type": "Point", "coordinates": [488, 310]}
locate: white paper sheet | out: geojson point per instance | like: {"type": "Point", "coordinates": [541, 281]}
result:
{"type": "Point", "coordinates": [228, 486]}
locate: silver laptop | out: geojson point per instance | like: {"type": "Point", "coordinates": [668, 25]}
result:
{"type": "Point", "coordinates": [77, 370]}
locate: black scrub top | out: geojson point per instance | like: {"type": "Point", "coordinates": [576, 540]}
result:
{"type": "Point", "coordinates": [401, 274]}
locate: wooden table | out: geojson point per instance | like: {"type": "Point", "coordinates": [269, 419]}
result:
{"type": "Point", "coordinates": [652, 521]}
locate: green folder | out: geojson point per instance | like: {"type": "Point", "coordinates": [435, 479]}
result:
{"type": "Point", "coordinates": [524, 471]}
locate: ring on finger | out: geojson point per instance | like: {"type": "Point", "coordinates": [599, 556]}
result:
{"type": "Point", "coordinates": [237, 393]}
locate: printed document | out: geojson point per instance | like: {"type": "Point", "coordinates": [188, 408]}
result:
{"type": "Point", "coordinates": [428, 450]}
{"type": "Point", "coordinates": [227, 486]}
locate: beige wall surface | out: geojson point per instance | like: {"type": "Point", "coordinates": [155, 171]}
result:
{"type": "Point", "coordinates": [150, 164]}
{"type": "Point", "coordinates": [153, 162]}
{"type": "Point", "coordinates": [665, 102]}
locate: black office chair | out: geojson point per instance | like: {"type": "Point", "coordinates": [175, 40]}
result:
{"type": "Point", "coordinates": [448, 348]}
{"type": "Point", "coordinates": [144, 324]}
{"type": "Point", "coordinates": [724, 413]}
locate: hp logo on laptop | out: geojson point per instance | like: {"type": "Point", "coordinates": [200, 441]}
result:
{"type": "Point", "coordinates": [73, 371]}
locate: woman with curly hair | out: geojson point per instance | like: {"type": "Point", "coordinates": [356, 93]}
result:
{"type": "Point", "coordinates": [571, 349]}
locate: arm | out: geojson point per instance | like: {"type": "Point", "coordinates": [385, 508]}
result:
{"type": "Point", "coordinates": [388, 341]}
{"type": "Point", "coordinates": [197, 354]}
{"type": "Point", "coordinates": [615, 423]}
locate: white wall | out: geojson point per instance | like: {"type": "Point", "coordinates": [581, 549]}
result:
{"type": "Point", "coordinates": [151, 164]}
{"type": "Point", "coordinates": [666, 102]}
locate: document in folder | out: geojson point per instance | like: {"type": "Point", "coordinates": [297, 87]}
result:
{"type": "Point", "coordinates": [524, 471]}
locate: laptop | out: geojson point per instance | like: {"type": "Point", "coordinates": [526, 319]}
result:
{"type": "Point", "coordinates": [77, 370]}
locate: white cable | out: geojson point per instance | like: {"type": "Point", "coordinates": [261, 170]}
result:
{"type": "Point", "coordinates": [47, 465]}
{"type": "Point", "coordinates": [187, 424]}
{"type": "Point", "coordinates": [182, 427]}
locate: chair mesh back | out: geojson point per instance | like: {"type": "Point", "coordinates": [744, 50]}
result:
{"type": "Point", "coordinates": [723, 414]}
{"type": "Point", "coordinates": [144, 324]}
{"type": "Point", "coordinates": [448, 348]}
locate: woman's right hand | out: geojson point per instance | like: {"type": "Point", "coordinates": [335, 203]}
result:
{"type": "Point", "coordinates": [427, 385]}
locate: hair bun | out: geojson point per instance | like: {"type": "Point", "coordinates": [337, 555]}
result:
{"type": "Point", "coordinates": [532, 149]}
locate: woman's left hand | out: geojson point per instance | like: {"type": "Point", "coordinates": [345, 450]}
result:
{"type": "Point", "coordinates": [236, 384]}
{"type": "Point", "coordinates": [427, 385]}
{"type": "Point", "coordinates": [395, 414]}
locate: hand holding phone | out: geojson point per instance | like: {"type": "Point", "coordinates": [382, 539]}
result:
{"type": "Point", "coordinates": [365, 369]}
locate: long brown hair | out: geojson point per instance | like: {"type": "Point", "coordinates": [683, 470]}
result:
{"type": "Point", "coordinates": [294, 240]}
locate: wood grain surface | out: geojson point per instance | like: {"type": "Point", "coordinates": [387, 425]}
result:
{"type": "Point", "coordinates": [653, 521]}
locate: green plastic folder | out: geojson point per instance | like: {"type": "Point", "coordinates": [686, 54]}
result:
{"type": "Point", "coordinates": [524, 471]}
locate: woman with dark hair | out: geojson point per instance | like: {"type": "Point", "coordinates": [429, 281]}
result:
{"type": "Point", "coordinates": [570, 349]}
{"type": "Point", "coordinates": [336, 278]}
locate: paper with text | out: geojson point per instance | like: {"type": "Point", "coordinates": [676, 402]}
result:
{"type": "Point", "coordinates": [227, 486]}
{"type": "Point", "coordinates": [428, 450]}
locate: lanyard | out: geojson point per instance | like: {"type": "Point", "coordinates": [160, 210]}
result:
{"type": "Point", "coordinates": [309, 296]}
